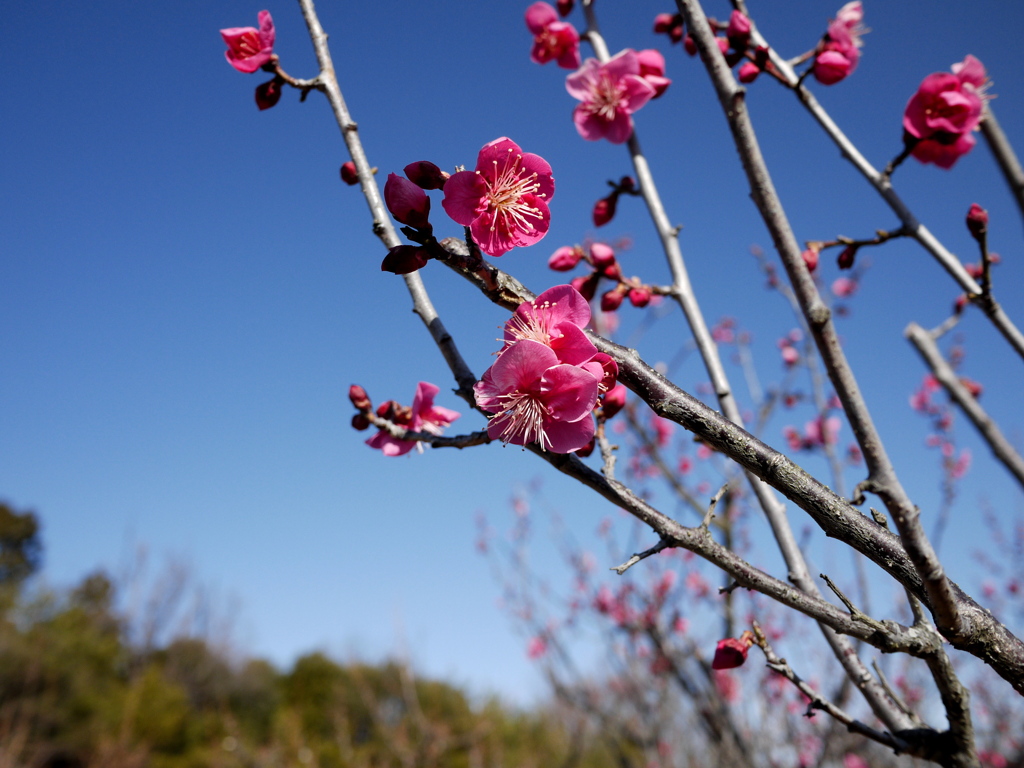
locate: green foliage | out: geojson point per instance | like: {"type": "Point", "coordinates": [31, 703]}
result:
{"type": "Point", "coordinates": [21, 550]}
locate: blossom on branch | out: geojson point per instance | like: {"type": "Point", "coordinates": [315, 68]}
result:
{"type": "Point", "coordinates": [609, 94]}
{"type": "Point", "coordinates": [552, 39]}
{"type": "Point", "coordinates": [839, 50]}
{"type": "Point", "coordinates": [939, 119]}
{"type": "Point", "coordinates": [504, 201]}
{"type": "Point", "coordinates": [424, 416]}
{"type": "Point", "coordinates": [732, 651]}
{"type": "Point", "coordinates": [250, 48]}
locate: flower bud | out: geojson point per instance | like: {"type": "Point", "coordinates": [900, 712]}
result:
{"type": "Point", "coordinates": [564, 7]}
{"type": "Point", "coordinates": [663, 22]}
{"type": "Point", "coordinates": [613, 271]}
{"type": "Point", "coordinates": [640, 297]}
{"type": "Point", "coordinates": [425, 175]}
{"type": "Point", "coordinates": [977, 221]}
{"type": "Point", "coordinates": [360, 422]}
{"type": "Point", "coordinates": [811, 259]}
{"type": "Point", "coordinates": [738, 31]}
{"type": "Point", "coordinates": [348, 173]}
{"type": "Point", "coordinates": [689, 46]}
{"type": "Point", "coordinates": [847, 257]}
{"type": "Point", "coordinates": [403, 259]}
{"type": "Point", "coordinates": [601, 255]}
{"type": "Point", "coordinates": [565, 258]}
{"type": "Point", "coordinates": [748, 72]}
{"type": "Point", "coordinates": [407, 202]}
{"type": "Point", "coordinates": [626, 184]}
{"type": "Point", "coordinates": [972, 386]}
{"type": "Point", "coordinates": [587, 449]}
{"type": "Point", "coordinates": [358, 397]}
{"type": "Point", "coordinates": [614, 400]}
{"type": "Point", "coordinates": [585, 286]}
{"type": "Point", "coordinates": [611, 300]}
{"type": "Point", "coordinates": [268, 94]}
{"type": "Point", "coordinates": [604, 209]}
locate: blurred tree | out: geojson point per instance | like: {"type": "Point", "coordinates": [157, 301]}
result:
{"type": "Point", "coordinates": [21, 550]}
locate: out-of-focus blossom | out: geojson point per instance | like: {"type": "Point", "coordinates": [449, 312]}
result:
{"type": "Point", "coordinates": [652, 69]}
{"type": "Point", "coordinates": [738, 31]}
{"type": "Point", "coordinates": [844, 287]}
{"type": "Point", "coordinates": [640, 297]}
{"type": "Point", "coordinates": [977, 221]}
{"type": "Point", "coordinates": [810, 257]}
{"type": "Point", "coordinates": [846, 258]}
{"type": "Point", "coordinates": [504, 201]}
{"type": "Point", "coordinates": [670, 24]}
{"type": "Point", "coordinates": [424, 417]}
{"type": "Point", "coordinates": [663, 429]}
{"type": "Point", "coordinates": [604, 209]}
{"type": "Point", "coordinates": [612, 300]}
{"type": "Point", "coordinates": [553, 40]}
{"type": "Point", "coordinates": [537, 647]}
{"type": "Point", "coordinates": [941, 116]}
{"type": "Point", "coordinates": [609, 94]}
{"type": "Point", "coordinates": [565, 258]}
{"type": "Point", "coordinates": [732, 651]}
{"type": "Point", "coordinates": [839, 50]}
{"type": "Point", "coordinates": [748, 72]}
{"type": "Point", "coordinates": [250, 48]}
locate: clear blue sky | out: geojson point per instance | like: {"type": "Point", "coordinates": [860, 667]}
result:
{"type": "Point", "coordinates": [188, 290]}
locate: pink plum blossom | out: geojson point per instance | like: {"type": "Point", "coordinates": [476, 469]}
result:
{"type": "Point", "coordinates": [426, 417]}
{"type": "Point", "coordinates": [944, 112]}
{"type": "Point", "coordinates": [552, 39]}
{"type": "Point", "coordinates": [537, 647]}
{"type": "Point", "coordinates": [250, 48]}
{"type": "Point", "coordinates": [537, 399]}
{"type": "Point", "coordinates": [609, 94]}
{"type": "Point", "coordinates": [652, 69]}
{"type": "Point", "coordinates": [837, 56]}
{"type": "Point", "coordinates": [504, 201]}
{"type": "Point", "coordinates": [844, 287]}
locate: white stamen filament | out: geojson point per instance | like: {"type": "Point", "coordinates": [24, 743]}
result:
{"type": "Point", "coordinates": [523, 417]}
{"type": "Point", "coordinates": [505, 195]}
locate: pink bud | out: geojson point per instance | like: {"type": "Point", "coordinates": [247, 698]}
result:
{"type": "Point", "coordinates": [358, 397]}
{"type": "Point", "coordinates": [407, 202]}
{"type": "Point", "coordinates": [972, 386]}
{"type": "Point", "coordinates": [732, 652]}
{"type": "Point", "coordinates": [565, 258]}
{"type": "Point", "coordinates": [614, 400]}
{"type": "Point", "coordinates": [611, 300]}
{"type": "Point", "coordinates": [676, 33]}
{"type": "Point", "coordinates": [601, 255]}
{"type": "Point", "coordinates": [723, 44]}
{"type": "Point", "coordinates": [268, 94]}
{"type": "Point", "coordinates": [689, 46]}
{"type": "Point", "coordinates": [738, 31]}
{"type": "Point", "coordinates": [640, 297]}
{"type": "Point", "coordinates": [604, 209]}
{"type": "Point", "coordinates": [348, 173]}
{"type": "Point", "coordinates": [586, 286]}
{"type": "Point", "coordinates": [613, 271]}
{"type": "Point", "coordinates": [977, 221]}
{"type": "Point", "coordinates": [810, 259]}
{"type": "Point", "coordinates": [663, 22]}
{"type": "Point", "coordinates": [425, 175]}
{"type": "Point", "coordinates": [748, 72]}
{"type": "Point", "coordinates": [403, 259]}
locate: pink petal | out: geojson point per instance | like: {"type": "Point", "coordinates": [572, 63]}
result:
{"type": "Point", "coordinates": [390, 446]}
{"type": "Point", "coordinates": [971, 71]}
{"type": "Point", "coordinates": [622, 64]}
{"type": "Point", "coordinates": [637, 92]}
{"type": "Point", "coordinates": [520, 366]}
{"type": "Point", "coordinates": [267, 32]}
{"type": "Point", "coordinates": [569, 436]}
{"type": "Point", "coordinates": [580, 84]}
{"type": "Point", "coordinates": [562, 303]}
{"type": "Point", "coordinates": [569, 392]}
{"type": "Point", "coordinates": [464, 197]}
{"type": "Point", "coordinates": [620, 129]}
{"type": "Point", "coordinates": [532, 163]}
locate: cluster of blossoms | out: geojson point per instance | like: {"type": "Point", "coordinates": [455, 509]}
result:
{"type": "Point", "coordinates": [942, 115]}
{"type": "Point", "coordinates": [941, 414]}
{"type": "Point", "coordinates": [423, 416]}
{"type": "Point", "coordinates": [603, 263]}
{"type": "Point", "coordinates": [548, 376]}
{"type": "Point", "coordinates": [818, 432]}
{"type": "Point", "coordinates": [787, 347]}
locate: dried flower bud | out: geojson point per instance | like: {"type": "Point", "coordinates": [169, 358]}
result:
{"type": "Point", "coordinates": [348, 173]}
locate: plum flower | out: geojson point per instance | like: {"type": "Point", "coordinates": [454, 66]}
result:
{"type": "Point", "coordinates": [537, 399]}
{"type": "Point", "coordinates": [425, 417]}
{"type": "Point", "coordinates": [941, 116]}
{"type": "Point", "coordinates": [504, 201]}
{"type": "Point", "coordinates": [609, 94]}
{"type": "Point", "coordinates": [839, 50]}
{"type": "Point", "coordinates": [250, 48]}
{"type": "Point", "coordinates": [732, 651]}
{"type": "Point", "coordinates": [552, 39]}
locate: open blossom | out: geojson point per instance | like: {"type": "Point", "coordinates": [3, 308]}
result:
{"type": "Point", "coordinates": [552, 39]}
{"type": "Point", "coordinates": [609, 94]}
{"type": "Point", "coordinates": [537, 399]}
{"type": "Point", "coordinates": [250, 48]}
{"type": "Point", "coordinates": [946, 109]}
{"type": "Point", "coordinates": [425, 417]}
{"type": "Point", "coordinates": [504, 201]}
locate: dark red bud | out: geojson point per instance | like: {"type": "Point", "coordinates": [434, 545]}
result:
{"type": "Point", "coordinates": [626, 184]}
{"type": "Point", "coordinates": [268, 94]}
{"type": "Point", "coordinates": [612, 271]}
{"type": "Point", "coordinates": [690, 46]}
{"type": "Point", "coordinates": [614, 400]}
{"type": "Point", "coordinates": [586, 450]}
{"type": "Point", "coordinates": [810, 259]}
{"type": "Point", "coordinates": [407, 202]}
{"type": "Point", "coordinates": [604, 209]}
{"type": "Point", "coordinates": [959, 304]}
{"type": "Point", "coordinates": [403, 259]}
{"type": "Point", "coordinates": [611, 300]}
{"type": "Point", "coordinates": [676, 33]}
{"type": "Point", "coordinates": [847, 257]}
{"type": "Point", "coordinates": [663, 22]}
{"type": "Point", "coordinates": [977, 221]}
{"type": "Point", "coordinates": [586, 286]}
{"type": "Point", "coordinates": [564, 7]}
{"type": "Point", "coordinates": [358, 397]}
{"type": "Point", "coordinates": [425, 175]}
{"type": "Point", "coordinates": [360, 422]}
{"type": "Point", "coordinates": [348, 173]}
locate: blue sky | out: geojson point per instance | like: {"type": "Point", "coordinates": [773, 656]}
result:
{"type": "Point", "coordinates": [189, 290]}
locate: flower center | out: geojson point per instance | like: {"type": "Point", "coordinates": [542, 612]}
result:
{"type": "Point", "coordinates": [249, 44]}
{"type": "Point", "coordinates": [607, 98]}
{"type": "Point", "coordinates": [505, 192]}
{"type": "Point", "coordinates": [523, 417]}
{"type": "Point", "coordinates": [533, 325]}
